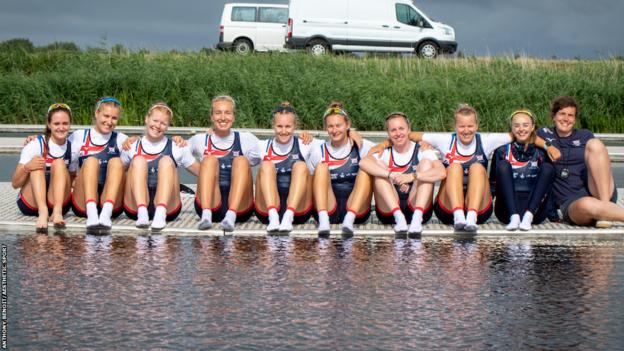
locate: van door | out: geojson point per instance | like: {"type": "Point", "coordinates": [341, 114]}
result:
{"type": "Point", "coordinates": [369, 26]}
{"type": "Point", "coordinates": [271, 27]}
{"type": "Point", "coordinates": [243, 23]}
{"type": "Point", "coordinates": [321, 18]}
{"type": "Point", "coordinates": [410, 27]}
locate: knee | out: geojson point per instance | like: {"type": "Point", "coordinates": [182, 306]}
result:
{"type": "Point", "coordinates": [91, 162]}
{"type": "Point", "coordinates": [476, 168]}
{"type": "Point", "coordinates": [547, 171]}
{"type": "Point", "coordinates": [454, 168]}
{"type": "Point", "coordinates": [267, 167]}
{"type": "Point", "coordinates": [595, 146]}
{"type": "Point", "coordinates": [424, 165]}
{"type": "Point", "coordinates": [115, 164]}
{"type": "Point", "coordinates": [240, 161]}
{"type": "Point", "coordinates": [299, 168]}
{"type": "Point", "coordinates": [321, 168]}
{"type": "Point", "coordinates": [210, 162]}
{"type": "Point", "coordinates": [166, 163]}
{"type": "Point", "coordinates": [58, 164]}
{"type": "Point", "coordinates": [139, 163]}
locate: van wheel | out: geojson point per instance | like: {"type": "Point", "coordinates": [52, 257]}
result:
{"type": "Point", "coordinates": [243, 46]}
{"type": "Point", "coordinates": [318, 47]}
{"type": "Point", "coordinates": [428, 50]}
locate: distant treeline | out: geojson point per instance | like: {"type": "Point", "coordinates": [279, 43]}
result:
{"type": "Point", "coordinates": [32, 77]}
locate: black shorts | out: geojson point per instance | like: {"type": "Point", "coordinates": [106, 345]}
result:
{"type": "Point", "coordinates": [218, 213]}
{"type": "Point", "coordinates": [565, 206]}
{"type": "Point", "coordinates": [408, 211]}
{"type": "Point", "coordinates": [32, 210]}
{"type": "Point", "coordinates": [172, 215]}
{"type": "Point", "coordinates": [83, 212]}
{"type": "Point", "coordinates": [338, 213]}
{"type": "Point", "coordinates": [299, 218]}
{"type": "Point", "coordinates": [445, 215]}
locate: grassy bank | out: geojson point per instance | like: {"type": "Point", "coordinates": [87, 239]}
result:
{"type": "Point", "coordinates": [428, 91]}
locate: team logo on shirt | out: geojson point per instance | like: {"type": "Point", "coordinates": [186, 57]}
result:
{"type": "Point", "coordinates": [354, 160]}
{"type": "Point", "coordinates": [576, 142]}
{"type": "Point", "coordinates": [111, 150]}
{"type": "Point", "coordinates": [295, 157]}
{"type": "Point", "coordinates": [547, 130]}
{"type": "Point", "coordinates": [479, 158]}
{"type": "Point", "coordinates": [236, 153]}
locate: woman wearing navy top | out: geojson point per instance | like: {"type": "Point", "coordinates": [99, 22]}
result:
{"type": "Point", "coordinates": [584, 188]}
{"type": "Point", "coordinates": [519, 178]}
{"type": "Point", "coordinates": [42, 173]}
{"type": "Point", "coordinates": [284, 183]}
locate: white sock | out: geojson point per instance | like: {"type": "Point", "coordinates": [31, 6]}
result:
{"type": "Point", "coordinates": [287, 219]}
{"type": "Point", "coordinates": [323, 218]}
{"type": "Point", "coordinates": [142, 217]}
{"type": "Point", "coordinates": [206, 220]}
{"type": "Point", "coordinates": [527, 220]}
{"type": "Point", "coordinates": [229, 221]}
{"type": "Point", "coordinates": [514, 221]}
{"type": "Point", "coordinates": [459, 219]}
{"type": "Point", "coordinates": [471, 221]}
{"type": "Point", "coordinates": [92, 214]}
{"type": "Point", "coordinates": [273, 220]}
{"type": "Point", "coordinates": [160, 217]}
{"type": "Point", "coordinates": [105, 215]}
{"type": "Point", "coordinates": [347, 222]}
{"type": "Point", "coordinates": [416, 224]}
{"type": "Point", "coordinates": [400, 221]}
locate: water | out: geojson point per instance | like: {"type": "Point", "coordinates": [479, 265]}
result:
{"type": "Point", "coordinates": [233, 293]}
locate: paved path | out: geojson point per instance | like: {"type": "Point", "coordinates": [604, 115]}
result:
{"type": "Point", "coordinates": [12, 221]}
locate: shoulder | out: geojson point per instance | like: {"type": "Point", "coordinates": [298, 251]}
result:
{"type": "Point", "coordinates": [584, 134]}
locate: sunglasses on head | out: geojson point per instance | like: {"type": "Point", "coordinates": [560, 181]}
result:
{"type": "Point", "coordinates": [284, 109]}
{"type": "Point", "coordinates": [394, 114]}
{"type": "Point", "coordinates": [105, 100]}
{"type": "Point", "coordinates": [59, 106]}
{"type": "Point", "coordinates": [335, 111]}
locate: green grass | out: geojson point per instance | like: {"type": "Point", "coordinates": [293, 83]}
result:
{"type": "Point", "coordinates": [370, 87]}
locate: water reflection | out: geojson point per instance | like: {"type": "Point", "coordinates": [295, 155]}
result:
{"type": "Point", "coordinates": [295, 293]}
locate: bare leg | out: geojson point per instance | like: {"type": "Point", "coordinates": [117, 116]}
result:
{"type": "Point", "coordinates": [600, 176]}
{"type": "Point", "coordinates": [359, 201]}
{"type": "Point", "coordinates": [586, 210]}
{"type": "Point", "coordinates": [113, 187]}
{"type": "Point", "coordinates": [299, 195]}
{"type": "Point", "coordinates": [387, 201]}
{"type": "Point", "coordinates": [208, 183]}
{"type": "Point", "coordinates": [58, 190]}
{"type": "Point", "coordinates": [451, 194]}
{"type": "Point", "coordinates": [164, 199]}
{"type": "Point", "coordinates": [267, 198]}
{"type": "Point", "coordinates": [324, 198]}
{"type": "Point", "coordinates": [241, 192]}
{"type": "Point", "coordinates": [136, 195]}
{"type": "Point", "coordinates": [476, 198]}
{"type": "Point", "coordinates": [420, 198]}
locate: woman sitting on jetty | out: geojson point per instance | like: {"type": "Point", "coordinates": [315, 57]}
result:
{"type": "Point", "coordinates": [283, 182]}
{"type": "Point", "coordinates": [519, 177]}
{"type": "Point", "coordinates": [153, 186]}
{"type": "Point", "coordinates": [98, 189]}
{"type": "Point", "coordinates": [584, 188]}
{"type": "Point", "coordinates": [222, 194]}
{"type": "Point", "coordinates": [404, 178]}
{"type": "Point", "coordinates": [43, 171]}
{"type": "Point", "coordinates": [342, 193]}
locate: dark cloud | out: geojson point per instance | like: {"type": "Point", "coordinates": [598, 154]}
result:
{"type": "Point", "coordinates": [562, 28]}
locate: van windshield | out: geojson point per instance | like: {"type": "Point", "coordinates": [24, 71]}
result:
{"type": "Point", "coordinates": [406, 14]}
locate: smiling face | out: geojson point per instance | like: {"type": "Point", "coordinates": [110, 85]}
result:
{"type": "Point", "coordinates": [156, 123]}
{"type": "Point", "coordinates": [466, 127]}
{"type": "Point", "coordinates": [337, 126]}
{"type": "Point", "coordinates": [59, 123]}
{"type": "Point", "coordinates": [284, 127]}
{"type": "Point", "coordinates": [564, 120]}
{"type": "Point", "coordinates": [106, 118]}
{"type": "Point", "coordinates": [398, 131]}
{"type": "Point", "coordinates": [522, 127]}
{"type": "Point", "coordinates": [222, 117]}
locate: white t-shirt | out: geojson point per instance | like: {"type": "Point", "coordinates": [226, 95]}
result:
{"type": "Point", "coordinates": [489, 142]}
{"type": "Point", "coordinates": [248, 141]}
{"type": "Point", "coordinates": [182, 156]}
{"type": "Point", "coordinates": [79, 139]}
{"type": "Point", "coordinates": [401, 159]}
{"type": "Point", "coordinates": [35, 148]}
{"type": "Point", "coordinates": [316, 156]}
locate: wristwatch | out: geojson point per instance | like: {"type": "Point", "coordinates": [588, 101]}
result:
{"type": "Point", "coordinates": [415, 174]}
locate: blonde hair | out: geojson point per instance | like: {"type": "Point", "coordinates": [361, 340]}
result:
{"type": "Point", "coordinates": [531, 115]}
{"type": "Point", "coordinates": [223, 98]}
{"type": "Point", "coordinates": [336, 108]}
{"type": "Point", "coordinates": [161, 106]}
{"type": "Point", "coordinates": [283, 108]}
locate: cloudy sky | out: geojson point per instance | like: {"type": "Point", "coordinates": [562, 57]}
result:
{"type": "Point", "coordinates": [543, 28]}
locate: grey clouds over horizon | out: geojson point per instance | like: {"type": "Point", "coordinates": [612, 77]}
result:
{"type": "Point", "coordinates": [561, 28]}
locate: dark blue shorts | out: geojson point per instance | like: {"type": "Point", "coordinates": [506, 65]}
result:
{"type": "Point", "coordinates": [565, 206]}
{"type": "Point", "coordinates": [32, 210]}
{"type": "Point", "coordinates": [218, 213]}
{"type": "Point", "coordinates": [83, 213]}
{"type": "Point", "coordinates": [337, 214]}
{"type": "Point", "coordinates": [299, 218]}
{"type": "Point", "coordinates": [172, 215]}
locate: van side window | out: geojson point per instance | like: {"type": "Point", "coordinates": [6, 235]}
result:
{"type": "Point", "coordinates": [273, 15]}
{"type": "Point", "coordinates": [406, 14]}
{"type": "Point", "coordinates": [243, 14]}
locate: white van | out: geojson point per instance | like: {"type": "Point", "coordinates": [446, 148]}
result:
{"type": "Point", "coordinates": [248, 27]}
{"type": "Point", "coordinates": [366, 25]}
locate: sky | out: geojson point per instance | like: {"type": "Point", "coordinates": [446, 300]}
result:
{"type": "Point", "coordinates": [539, 28]}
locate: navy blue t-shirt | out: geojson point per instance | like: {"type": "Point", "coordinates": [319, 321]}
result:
{"type": "Point", "coordinates": [572, 159]}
